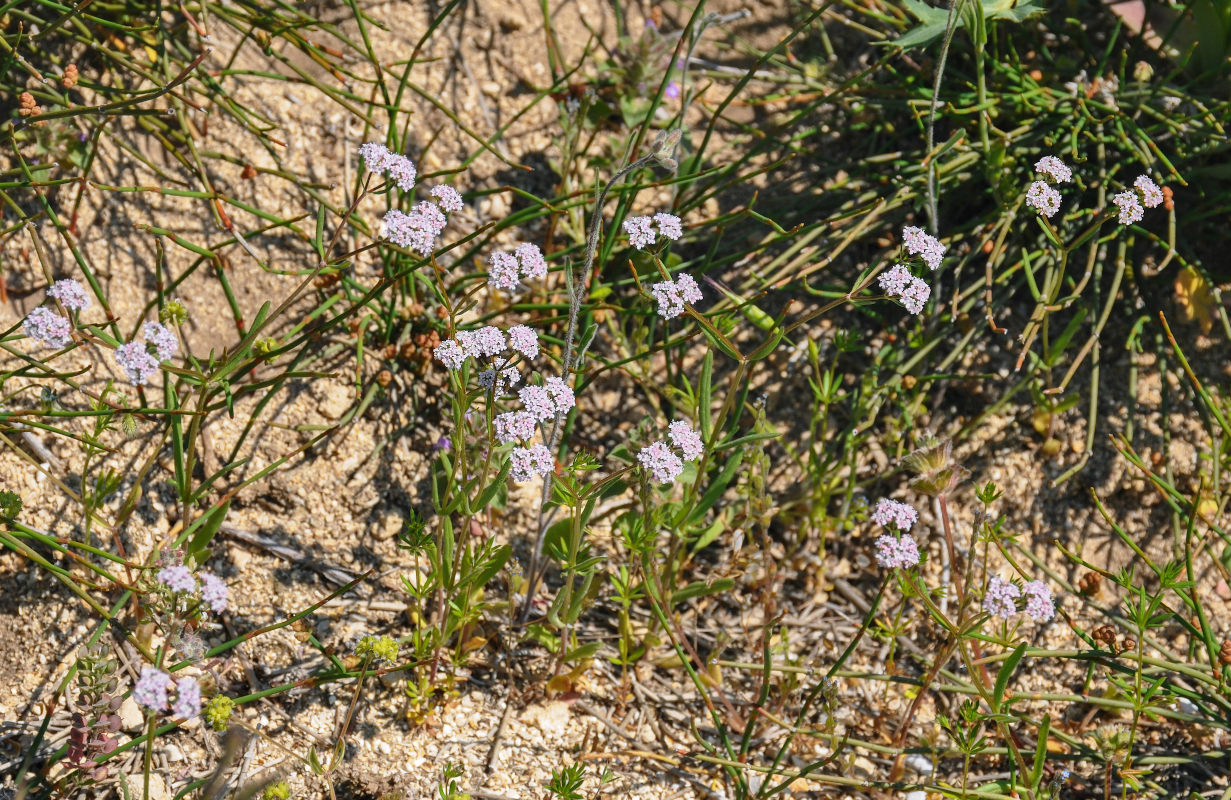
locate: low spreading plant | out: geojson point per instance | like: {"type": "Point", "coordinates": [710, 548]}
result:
{"type": "Point", "coordinates": [671, 385]}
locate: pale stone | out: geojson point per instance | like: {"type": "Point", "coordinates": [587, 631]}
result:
{"type": "Point", "coordinates": [551, 717]}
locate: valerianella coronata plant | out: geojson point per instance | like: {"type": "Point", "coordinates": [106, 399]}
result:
{"type": "Point", "coordinates": [507, 270]}
{"type": "Point", "coordinates": [136, 358]}
{"type": "Point", "coordinates": [897, 281]}
{"type": "Point", "coordinates": [1131, 203]}
{"type": "Point", "coordinates": [70, 293]}
{"type": "Point", "coordinates": [1043, 198]}
{"type": "Point", "coordinates": [48, 327]}
{"type": "Point", "coordinates": [530, 462]}
{"type": "Point", "coordinates": [1039, 604]}
{"type": "Point", "coordinates": [178, 578]}
{"type": "Point", "coordinates": [1053, 168]}
{"type": "Point", "coordinates": [661, 462]}
{"type": "Point", "coordinates": [898, 548]}
{"type": "Point", "coordinates": [152, 692]}
{"type": "Point", "coordinates": [920, 243]}
{"type": "Point", "coordinates": [381, 161]}
{"type": "Point", "coordinates": [641, 230]}
{"type": "Point", "coordinates": [673, 295]}
{"type": "Point", "coordinates": [1000, 599]}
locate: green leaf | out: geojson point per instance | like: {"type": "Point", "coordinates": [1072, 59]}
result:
{"type": "Point", "coordinates": [709, 534]}
{"type": "Point", "coordinates": [701, 589]}
{"type": "Point", "coordinates": [706, 394]}
{"type": "Point", "coordinates": [717, 487]}
{"type": "Point", "coordinates": [499, 557]}
{"type": "Point", "coordinates": [934, 21]}
{"type": "Point", "coordinates": [485, 499]}
{"type": "Point", "coordinates": [202, 532]}
{"type": "Point", "coordinates": [583, 652]}
{"type": "Point", "coordinates": [1040, 753]}
{"type": "Point", "coordinates": [1006, 672]}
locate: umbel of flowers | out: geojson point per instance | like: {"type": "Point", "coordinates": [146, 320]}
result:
{"type": "Point", "coordinates": [898, 281]}
{"type": "Point", "coordinates": [48, 327]}
{"type": "Point", "coordinates": [664, 460]}
{"type": "Point", "coordinates": [540, 403]}
{"type": "Point", "coordinates": [896, 549]}
{"type": "Point", "coordinates": [1130, 204]}
{"type": "Point", "coordinates": [419, 228]}
{"type": "Point", "coordinates": [1000, 599]}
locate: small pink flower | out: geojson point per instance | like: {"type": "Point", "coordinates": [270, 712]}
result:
{"type": "Point", "coordinates": [450, 354]}
{"type": "Point", "coordinates": [561, 395]}
{"type": "Point", "coordinates": [1129, 206]}
{"type": "Point", "coordinates": [524, 340]}
{"type": "Point", "coordinates": [1053, 168]}
{"type": "Point", "coordinates": [899, 552]}
{"type": "Point", "coordinates": [448, 198]}
{"type": "Point", "coordinates": [1151, 195]}
{"type": "Point", "coordinates": [1000, 599]}
{"type": "Point", "coordinates": [177, 578]}
{"type": "Point", "coordinates": [70, 293]}
{"type": "Point", "coordinates": [214, 591]}
{"type": "Point", "coordinates": [1039, 604]}
{"type": "Point", "coordinates": [640, 234]}
{"type": "Point", "coordinates": [486, 341]}
{"type": "Point", "coordinates": [530, 258]}
{"type": "Point", "coordinates": [922, 244]}
{"type": "Point", "coordinates": [663, 465]}
{"type": "Point", "coordinates": [528, 463]}
{"type": "Point", "coordinates": [1043, 197]}
{"type": "Point", "coordinates": [502, 272]}
{"type": "Point", "coordinates": [892, 513]}
{"type": "Point", "coordinates": [187, 699]}
{"type": "Point", "coordinates": [669, 225]}
{"type": "Point", "coordinates": [538, 402]}
{"type": "Point", "coordinates": [164, 341]}
{"type": "Point", "coordinates": [514, 426]}
{"type": "Point", "coordinates": [151, 688]}
{"type": "Point", "coordinates": [48, 327]}
{"type": "Point", "coordinates": [137, 362]}
{"type": "Point", "coordinates": [686, 440]}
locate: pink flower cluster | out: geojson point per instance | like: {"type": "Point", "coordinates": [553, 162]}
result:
{"type": "Point", "coordinates": [1044, 198]}
{"type": "Point", "coordinates": [673, 295]}
{"type": "Point", "coordinates": [70, 293]}
{"type": "Point", "coordinates": [1145, 192]}
{"type": "Point", "coordinates": [48, 327]}
{"type": "Point", "coordinates": [641, 234]}
{"type": "Point", "coordinates": [136, 358]}
{"type": "Point", "coordinates": [152, 688]}
{"type": "Point", "coordinates": [178, 578]}
{"type": "Point", "coordinates": [539, 404]}
{"type": "Point", "coordinates": [892, 513]}
{"type": "Point", "coordinates": [1041, 196]}
{"type": "Point", "coordinates": [486, 342]}
{"type": "Point", "coordinates": [1000, 599]}
{"type": "Point", "coordinates": [897, 552]}
{"type": "Point", "coordinates": [898, 282]}
{"type": "Point", "coordinates": [419, 228]}
{"type": "Point", "coordinates": [1039, 604]}
{"type": "Point", "coordinates": [382, 161]}
{"type": "Point", "coordinates": [506, 270]}
{"type": "Point", "coordinates": [1053, 168]}
{"type": "Point", "coordinates": [662, 462]}
{"type": "Point", "coordinates": [920, 243]}
{"type": "Point", "coordinates": [530, 462]}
